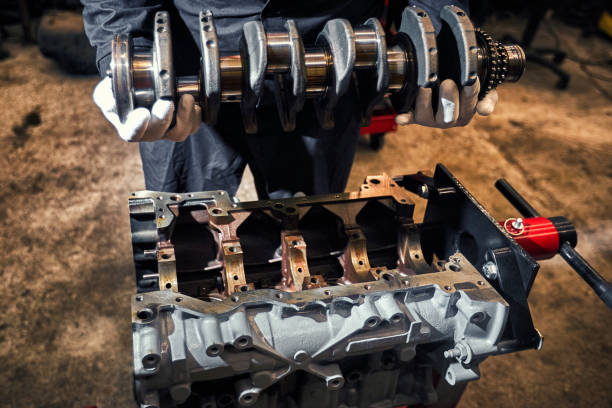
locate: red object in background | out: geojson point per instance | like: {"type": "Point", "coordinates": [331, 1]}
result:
{"type": "Point", "coordinates": [538, 236]}
{"type": "Point", "coordinates": [383, 120]}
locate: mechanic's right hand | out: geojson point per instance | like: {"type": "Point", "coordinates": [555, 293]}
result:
{"type": "Point", "coordinates": [142, 125]}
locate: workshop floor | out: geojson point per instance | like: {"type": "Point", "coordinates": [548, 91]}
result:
{"type": "Point", "coordinates": [65, 263]}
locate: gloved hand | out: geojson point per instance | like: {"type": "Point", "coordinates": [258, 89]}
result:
{"type": "Point", "coordinates": [142, 125]}
{"type": "Point", "coordinates": [454, 108]}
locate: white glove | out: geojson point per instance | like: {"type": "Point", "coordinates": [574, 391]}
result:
{"type": "Point", "coordinates": [142, 125]}
{"type": "Point", "coordinates": [454, 109]}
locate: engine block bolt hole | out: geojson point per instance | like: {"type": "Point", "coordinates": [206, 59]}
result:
{"type": "Point", "coordinates": [144, 314]}
{"type": "Point", "coordinates": [175, 197]}
{"type": "Point", "coordinates": [372, 322]}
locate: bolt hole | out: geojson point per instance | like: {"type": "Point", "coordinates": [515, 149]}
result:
{"type": "Point", "coordinates": [387, 277]}
{"type": "Point", "coordinates": [327, 292]}
{"type": "Point", "coordinates": [477, 317]}
{"type": "Point", "coordinates": [213, 350]}
{"type": "Point", "coordinates": [295, 242]}
{"type": "Point", "coordinates": [242, 341]}
{"type": "Point", "coordinates": [205, 19]}
{"type": "Point", "coordinates": [244, 288]}
{"type": "Point", "coordinates": [460, 13]}
{"type": "Point", "coordinates": [366, 187]}
{"type": "Point", "coordinates": [161, 29]}
{"type": "Point", "coordinates": [313, 280]}
{"type": "Point", "coordinates": [168, 285]}
{"type": "Point", "coordinates": [300, 270]}
{"type": "Point", "coordinates": [236, 277]}
{"type": "Point", "coordinates": [160, 21]}
{"type": "Point", "coordinates": [375, 181]}
{"type": "Point", "coordinates": [335, 382]}
{"type": "Point", "coordinates": [139, 298]}
{"type": "Point", "coordinates": [396, 318]}
{"type": "Point", "coordinates": [232, 249]}
{"type": "Point", "coordinates": [166, 256]}
{"type": "Point", "coordinates": [235, 298]}
{"type": "Point", "coordinates": [371, 322]}
{"type": "Point", "coordinates": [179, 299]}
{"type": "Point", "coordinates": [279, 295]}
{"type": "Point", "coordinates": [367, 287]}
{"type": "Point", "coordinates": [248, 398]}
{"type": "Point", "coordinates": [481, 283]}
{"type": "Point", "coordinates": [278, 205]}
{"type": "Point", "coordinates": [447, 287]}
{"type": "Point", "coordinates": [144, 314]}
{"type": "Point", "coordinates": [216, 211]}
{"type": "Point", "coordinates": [421, 14]}
{"type": "Point", "coordinates": [164, 74]}
{"type": "Point", "coordinates": [454, 268]}
{"type": "Point", "coordinates": [416, 256]}
{"type": "Point", "coordinates": [360, 262]}
{"type": "Point", "coordinates": [175, 197]}
{"type": "Point", "coordinates": [207, 28]}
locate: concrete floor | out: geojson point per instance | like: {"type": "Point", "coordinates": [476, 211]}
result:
{"type": "Point", "coordinates": [65, 337]}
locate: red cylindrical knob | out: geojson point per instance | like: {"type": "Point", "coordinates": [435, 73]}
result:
{"type": "Point", "coordinates": [537, 235]}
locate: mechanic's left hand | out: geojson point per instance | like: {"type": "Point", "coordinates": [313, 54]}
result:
{"type": "Point", "coordinates": [454, 108]}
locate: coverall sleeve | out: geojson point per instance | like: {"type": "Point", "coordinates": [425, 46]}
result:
{"type": "Point", "coordinates": [103, 18]}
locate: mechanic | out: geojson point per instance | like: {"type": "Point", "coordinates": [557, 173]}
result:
{"type": "Point", "coordinates": [191, 156]}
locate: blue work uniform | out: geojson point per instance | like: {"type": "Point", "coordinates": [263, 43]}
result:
{"type": "Point", "coordinates": [310, 159]}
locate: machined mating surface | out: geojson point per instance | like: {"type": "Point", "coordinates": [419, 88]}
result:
{"type": "Point", "coordinates": [323, 73]}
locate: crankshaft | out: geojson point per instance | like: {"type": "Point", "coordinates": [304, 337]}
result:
{"type": "Point", "coordinates": [341, 56]}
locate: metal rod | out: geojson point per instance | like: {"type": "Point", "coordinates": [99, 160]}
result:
{"type": "Point", "coordinates": [515, 199]}
{"type": "Point", "coordinates": [600, 286]}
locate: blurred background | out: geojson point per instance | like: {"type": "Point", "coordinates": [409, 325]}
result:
{"type": "Point", "coordinates": [66, 262]}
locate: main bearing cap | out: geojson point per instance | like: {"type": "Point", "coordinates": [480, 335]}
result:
{"type": "Point", "coordinates": [342, 56]}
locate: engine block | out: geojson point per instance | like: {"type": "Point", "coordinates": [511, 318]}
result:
{"type": "Point", "coordinates": [325, 301]}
